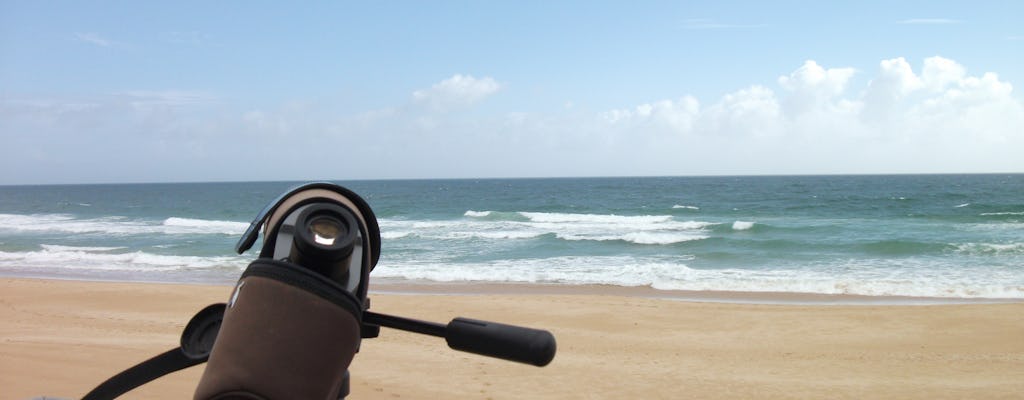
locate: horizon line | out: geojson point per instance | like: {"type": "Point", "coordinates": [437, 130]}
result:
{"type": "Point", "coordinates": [766, 175]}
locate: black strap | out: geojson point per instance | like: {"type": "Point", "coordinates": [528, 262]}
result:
{"type": "Point", "coordinates": [146, 371]}
{"type": "Point", "coordinates": [196, 343]}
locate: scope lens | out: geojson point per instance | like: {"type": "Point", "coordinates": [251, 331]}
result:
{"type": "Point", "coordinates": [325, 233]}
{"type": "Point", "coordinates": [325, 230]}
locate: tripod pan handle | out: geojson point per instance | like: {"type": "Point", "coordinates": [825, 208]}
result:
{"type": "Point", "coordinates": [507, 342]}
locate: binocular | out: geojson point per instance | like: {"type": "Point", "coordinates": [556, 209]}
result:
{"type": "Point", "coordinates": [294, 321]}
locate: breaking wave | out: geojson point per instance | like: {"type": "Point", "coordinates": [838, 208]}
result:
{"type": "Point", "coordinates": [116, 225]}
{"type": "Point", "coordinates": [493, 225]}
{"type": "Point", "coordinates": [677, 275]}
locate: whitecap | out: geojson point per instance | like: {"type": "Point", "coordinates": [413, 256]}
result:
{"type": "Point", "coordinates": [117, 225]}
{"type": "Point", "coordinates": [742, 225]}
{"type": "Point", "coordinates": [385, 235]}
{"type": "Point", "coordinates": [676, 274]}
{"type": "Point", "coordinates": [74, 258]}
{"type": "Point", "coordinates": [595, 218]}
{"type": "Point", "coordinates": [201, 226]}
{"type": "Point", "coordinates": [86, 249]}
{"type": "Point", "coordinates": [990, 247]}
{"type": "Point", "coordinates": [660, 238]}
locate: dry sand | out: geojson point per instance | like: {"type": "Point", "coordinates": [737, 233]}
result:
{"type": "Point", "coordinates": [61, 338]}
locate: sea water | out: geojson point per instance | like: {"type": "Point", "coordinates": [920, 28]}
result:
{"type": "Point", "coordinates": [949, 236]}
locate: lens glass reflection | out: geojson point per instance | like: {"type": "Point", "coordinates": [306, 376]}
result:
{"type": "Point", "coordinates": [325, 230]}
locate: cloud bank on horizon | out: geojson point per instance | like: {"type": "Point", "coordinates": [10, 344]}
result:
{"type": "Point", "coordinates": [934, 118]}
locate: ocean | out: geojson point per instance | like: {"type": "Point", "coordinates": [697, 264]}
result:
{"type": "Point", "coordinates": [939, 236]}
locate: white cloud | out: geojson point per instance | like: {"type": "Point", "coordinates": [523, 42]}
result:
{"type": "Point", "coordinates": [677, 115]}
{"type": "Point", "coordinates": [895, 80]}
{"type": "Point", "coordinates": [941, 120]}
{"type": "Point", "coordinates": [943, 101]}
{"type": "Point", "coordinates": [932, 116]}
{"type": "Point", "coordinates": [814, 87]}
{"type": "Point", "coordinates": [940, 72]}
{"type": "Point", "coordinates": [897, 89]}
{"type": "Point", "coordinates": [813, 78]}
{"type": "Point", "coordinates": [754, 111]}
{"type": "Point", "coordinates": [94, 39]}
{"type": "Point", "coordinates": [457, 91]}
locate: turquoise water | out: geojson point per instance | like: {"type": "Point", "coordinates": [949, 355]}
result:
{"type": "Point", "coordinates": [955, 236]}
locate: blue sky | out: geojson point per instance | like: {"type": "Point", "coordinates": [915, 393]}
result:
{"type": "Point", "coordinates": [200, 91]}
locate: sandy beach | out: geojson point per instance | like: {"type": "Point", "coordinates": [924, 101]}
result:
{"type": "Point", "coordinates": [61, 338]}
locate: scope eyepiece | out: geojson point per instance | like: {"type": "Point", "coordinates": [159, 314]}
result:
{"type": "Point", "coordinates": [325, 234]}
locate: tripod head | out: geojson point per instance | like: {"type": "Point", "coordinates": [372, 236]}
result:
{"type": "Point", "coordinates": [296, 317]}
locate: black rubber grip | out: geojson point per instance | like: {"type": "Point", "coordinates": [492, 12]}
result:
{"type": "Point", "coordinates": [507, 342]}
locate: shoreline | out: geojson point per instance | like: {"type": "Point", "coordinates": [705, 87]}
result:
{"type": "Point", "coordinates": [61, 338]}
{"type": "Point", "coordinates": [410, 287]}
{"type": "Point", "coordinates": [398, 286]}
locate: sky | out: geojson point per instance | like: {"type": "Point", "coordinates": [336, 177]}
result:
{"type": "Point", "coordinates": [98, 92]}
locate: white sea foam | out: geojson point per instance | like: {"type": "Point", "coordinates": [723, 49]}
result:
{"type": "Point", "coordinates": [116, 225]}
{"type": "Point", "coordinates": [639, 237]}
{"type": "Point", "coordinates": [456, 229]}
{"type": "Point", "coordinates": [85, 249]}
{"type": "Point", "coordinates": [391, 234]}
{"type": "Point", "coordinates": [28, 222]}
{"type": "Point", "coordinates": [676, 275]}
{"type": "Point", "coordinates": [68, 224]}
{"type": "Point", "coordinates": [428, 225]}
{"type": "Point", "coordinates": [569, 269]}
{"type": "Point", "coordinates": [1003, 213]}
{"type": "Point", "coordinates": [680, 206]}
{"type": "Point", "coordinates": [496, 234]}
{"type": "Point", "coordinates": [981, 248]}
{"type": "Point", "coordinates": [662, 237]}
{"type": "Point", "coordinates": [55, 257]}
{"type": "Point", "coordinates": [202, 226]}
{"type": "Point", "coordinates": [646, 229]}
{"type": "Point", "coordinates": [742, 225]}
{"type": "Point", "coordinates": [477, 214]}
{"type": "Point", "coordinates": [595, 218]}
{"type": "Point", "coordinates": [962, 205]}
